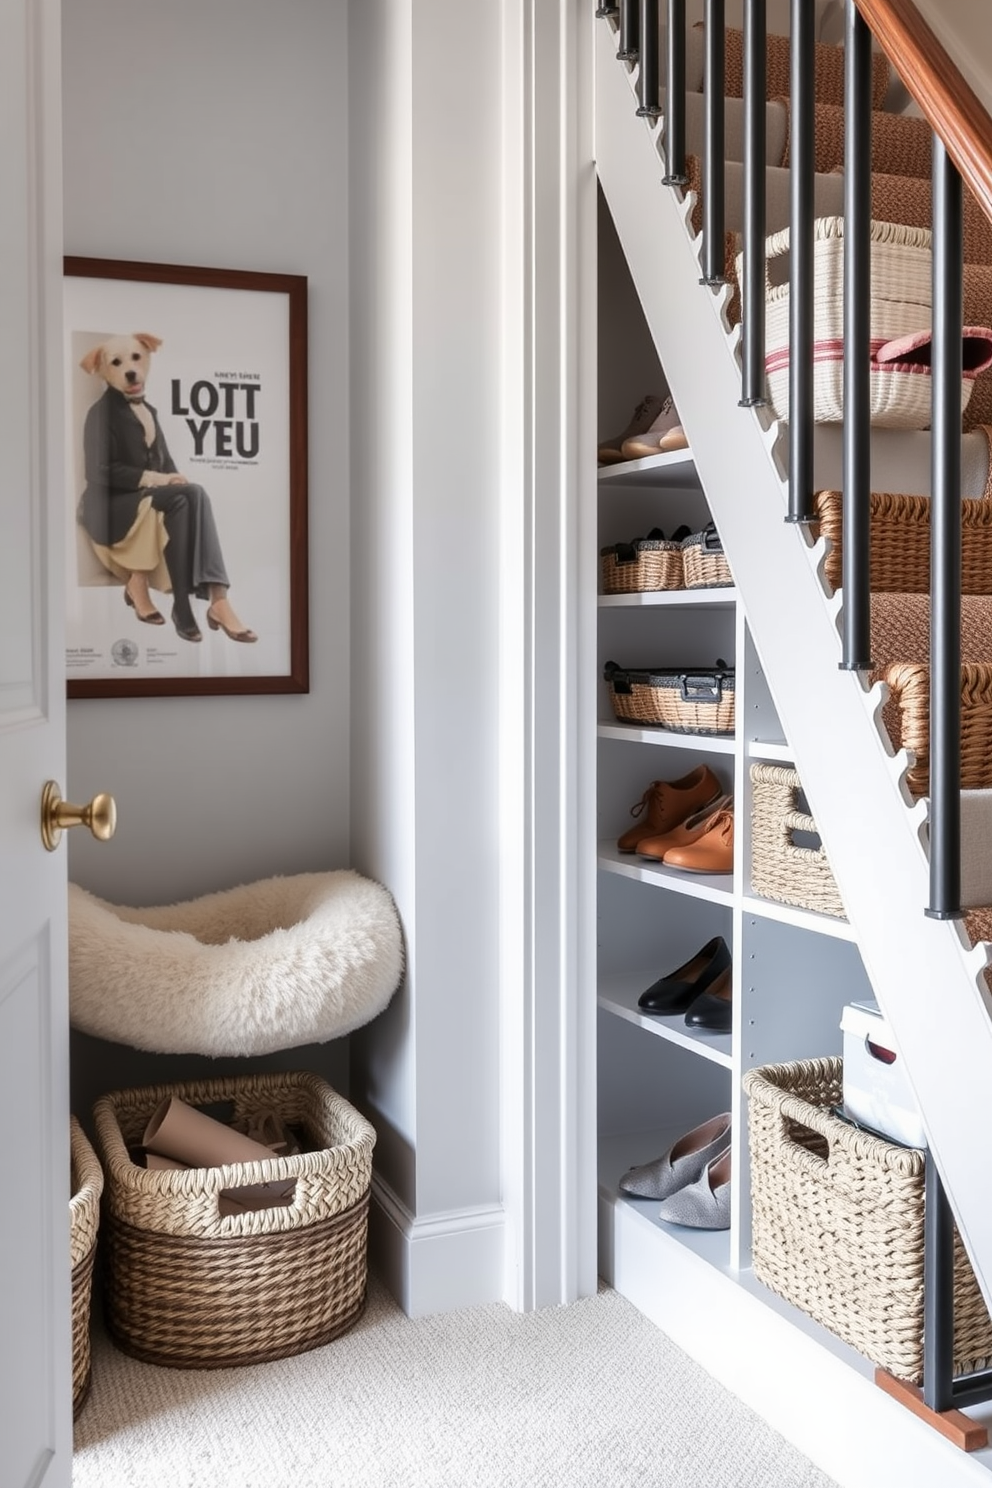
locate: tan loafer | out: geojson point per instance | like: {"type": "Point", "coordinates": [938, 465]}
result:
{"type": "Point", "coordinates": [713, 852]}
{"type": "Point", "coordinates": [685, 834]}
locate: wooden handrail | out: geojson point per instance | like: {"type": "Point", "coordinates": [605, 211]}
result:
{"type": "Point", "coordinates": [950, 105]}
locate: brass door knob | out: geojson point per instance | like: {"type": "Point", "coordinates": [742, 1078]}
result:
{"type": "Point", "coordinates": [57, 815]}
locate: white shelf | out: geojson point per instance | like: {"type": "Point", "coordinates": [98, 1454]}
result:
{"type": "Point", "coordinates": [674, 471]}
{"type": "Point", "coordinates": [616, 1155]}
{"type": "Point", "coordinates": [618, 994]}
{"type": "Point", "coordinates": [635, 733]}
{"type": "Point", "coordinates": [804, 919]}
{"type": "Point", "coordinates": [777, 750]}
{"type": "Point", "coordinates": [715, 887]}
{"type": "Point", "coordinates": [709, 599]}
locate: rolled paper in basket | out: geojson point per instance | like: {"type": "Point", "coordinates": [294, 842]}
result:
{"type": "Point", "coordinates": [179, 1131]}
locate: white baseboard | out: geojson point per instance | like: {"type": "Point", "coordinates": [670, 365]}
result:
{"type": "Point", "coordinates": [438, 1263]}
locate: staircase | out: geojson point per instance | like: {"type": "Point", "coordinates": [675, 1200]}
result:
{"type": "Point", "coordinates": [928, 977]}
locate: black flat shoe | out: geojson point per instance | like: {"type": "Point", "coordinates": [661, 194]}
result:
{"type": "Point", "coordinates": [713, 1010]}
{"type": "Point", "coordinates": [674, 993]}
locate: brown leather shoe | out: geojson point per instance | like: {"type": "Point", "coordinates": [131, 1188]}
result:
{"type": "Point", "coordinates": [666, 803]}
{"type": "Point", "coordinates": [713, 852]}
{"type": "Point", "coordinates": [684, 834]}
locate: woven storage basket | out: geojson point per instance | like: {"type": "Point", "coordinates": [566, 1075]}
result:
{"type": "Point", "coordinates": [900, 542]}
{"type": "Point", "coordinates": [646, 565]}
{"type": "Point", "coordinates": [84, 1222]}
{"type": "Point", "coordinates": [909, 685]}
{"type": "Point", "coordinates": [837, 1223]}
{"type": "Point", "coordinates": [900, 304]}
{"type": "Point", "coordinates": [700, 701]}
{"type": "Point", "coordinates": [189, 1288]}
{"type": "Point", "coordinates": [780, 868]}
{"type": "Point", "coordinates": [704, 562]}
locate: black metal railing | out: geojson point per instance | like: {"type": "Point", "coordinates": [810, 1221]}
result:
{"type": "Point", "coordinates": [638, 38]}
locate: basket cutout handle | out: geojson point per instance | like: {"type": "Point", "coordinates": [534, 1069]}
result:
{"type": "Point", "coordinates": [701, 689]}
{"type": "Point", "coordinates": [805, 1133]}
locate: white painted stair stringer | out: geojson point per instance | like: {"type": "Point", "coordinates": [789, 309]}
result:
{"type": "Point", "coordinates": [927, 979]}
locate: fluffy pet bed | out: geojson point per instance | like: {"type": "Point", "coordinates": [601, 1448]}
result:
{"type": "Point", "coordinates": [270, 965]}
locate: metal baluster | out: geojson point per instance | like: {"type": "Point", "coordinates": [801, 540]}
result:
{"type": "Point", "coordinates": [714, 148]}
{"type": "Point", "coordinates": [675, 97]}
{"type": "Point", "coordinates": [801, 165]}
{"type": "Point", "coordinates": [945, 541]}
{"type": "Point", "coordinates": [629, 42]}
{"type": "Point", "coordinates": [856, 563]}
{"type": "Point", "coordinates": [753, 287]}
{"type": "Point", "coordinates": [648, 79]}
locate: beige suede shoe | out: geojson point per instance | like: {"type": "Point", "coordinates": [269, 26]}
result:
{"type": "Point", "coordinates": [650, 408]}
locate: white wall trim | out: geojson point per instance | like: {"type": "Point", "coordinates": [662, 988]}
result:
{"type": "Point", "coordinates": [439, 1262]}
{"type": "Point", "coordinates": [547, 766]}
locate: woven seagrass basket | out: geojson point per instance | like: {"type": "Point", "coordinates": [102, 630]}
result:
{"type": "Point", "coordinates": [900, 540]}
{"type": "Point", "coordinates": [687, 702]}
{"type": "Point", "coordinates": [647, 565]}
{"type": "Point", "coordinates": [781, 868]}
{"type": "Point", "coordinates": [909, 685]}
{"type": "Point", "coordinates": [194, 1289]}
{"type": "Point", "coordinates": [837, 1223]}
{"type": "Point", "coordinates": [84, 1222]}
{"type": "Point", "coordinates": [704, 562]}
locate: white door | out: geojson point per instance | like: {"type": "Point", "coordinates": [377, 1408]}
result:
{"type": "Point", "coordinates": [35, 1354]}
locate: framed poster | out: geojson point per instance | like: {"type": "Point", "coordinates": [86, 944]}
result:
{"type": "Point", "coordinates": [186, 480]}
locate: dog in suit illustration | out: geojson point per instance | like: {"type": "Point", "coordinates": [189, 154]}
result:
{"type": "Point", "coordinates": [143, 517]}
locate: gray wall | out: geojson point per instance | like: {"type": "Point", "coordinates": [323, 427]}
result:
{"type": "Point", "coordinates": [216, 134]}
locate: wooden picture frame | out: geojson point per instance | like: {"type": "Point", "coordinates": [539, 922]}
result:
{"type": "Point", "coordinates": [187, 562]}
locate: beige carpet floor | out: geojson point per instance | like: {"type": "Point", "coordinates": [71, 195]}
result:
{"type": "Point", "coordinates": [586, 1396]}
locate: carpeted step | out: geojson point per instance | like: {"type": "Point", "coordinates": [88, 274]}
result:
{"type": "Point", "coordinates": [901, 145]}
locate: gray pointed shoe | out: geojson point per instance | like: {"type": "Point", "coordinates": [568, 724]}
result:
{"type": "Point", "coordinates": [705, 1204]}
{"type": "Point", "coordinates": [681, 1164]}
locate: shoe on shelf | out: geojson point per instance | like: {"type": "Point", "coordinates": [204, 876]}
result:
{"type": "Point", "coordinates": [641, 420]}
{"type": "Point", "coordinates": [687, 832]}
{"type": "Point", "coordinates": [713, 1009]}
{"type": "Point", "coordinates": [712, 852]}
{"type": "Point", "coordinates": [667, 803]}
{"type": "Point", "coordinates": [666, 433]}
{"type": "Point", "coordinates": [704, 1204]}
{"type": "Point", "coordinates": [683, 1163]}
{"type": "Point", "coordinates": [676, 992]}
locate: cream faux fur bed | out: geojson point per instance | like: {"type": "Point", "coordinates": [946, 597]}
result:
{"type": "Point", "coordinates": [269, 965]}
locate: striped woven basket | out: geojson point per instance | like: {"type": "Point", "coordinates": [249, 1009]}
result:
{"type": "Point", "coordinates": [901, 297]}
{"type": "Point", "coordinates": [189, 1287]}
{"type": "Point", "coordinates": [781, 868]}
{"type": "Point", "coordinates": [837, 1223]}
{"type": "Point", "coordinates": [84, 1222]}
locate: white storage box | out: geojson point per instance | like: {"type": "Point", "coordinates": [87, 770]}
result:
{"type": "Point", "coordinates": [877, 1093]}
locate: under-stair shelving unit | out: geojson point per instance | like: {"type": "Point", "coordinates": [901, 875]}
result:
{"type": "Point", "coordinates": [794, 971]}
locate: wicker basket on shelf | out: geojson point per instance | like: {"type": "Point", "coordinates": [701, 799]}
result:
{"type": "Point", "coordinates": [646, 565]}
{"type": "Point", "coordinates": [837, 1222]}
{"type": "Point", "coordinates": [700, 701]}
{"type": "Point", "coordinates": [704, 562]}
{"type": "Point", "coordinates": [190, 1287]}
{"type": "Point", "coordinates": [84, 1223]}
{"type": "Point", "coordinates": [781, 868]}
